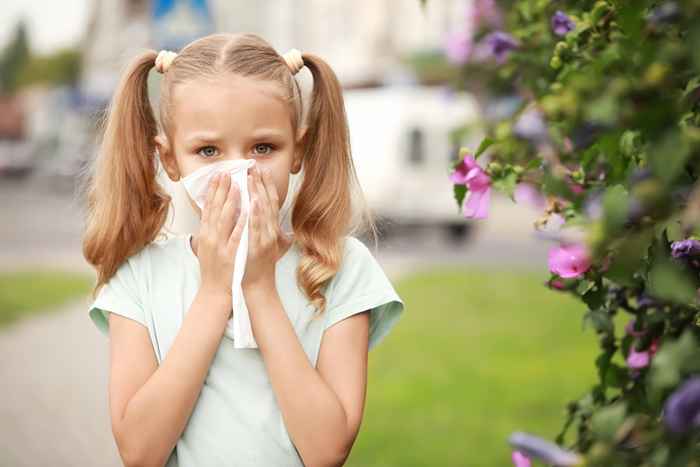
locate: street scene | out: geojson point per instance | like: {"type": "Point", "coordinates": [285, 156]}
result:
{"type": "Point", "coordinates": [533, 187]}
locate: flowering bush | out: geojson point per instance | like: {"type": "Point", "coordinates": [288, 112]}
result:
{"type": "Point", "coordinates": [604, 136]}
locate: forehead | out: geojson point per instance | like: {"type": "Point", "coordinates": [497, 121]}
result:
{"type": "Point", "coordinates": [228, 102]}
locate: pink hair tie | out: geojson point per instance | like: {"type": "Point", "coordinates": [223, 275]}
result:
{"type": "Point", "coordinates": [294, 60]}
{"type": "Point", "coordinates": [164, 59]}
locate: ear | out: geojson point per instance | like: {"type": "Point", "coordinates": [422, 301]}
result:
{"type": "Point", "coordinates": [167, 158]}
{"type": "Point", "coordinates": [299, 152]}
{"type": "Point", "coordinates": [301, 134]}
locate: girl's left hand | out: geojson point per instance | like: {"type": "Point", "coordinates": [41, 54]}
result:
{"type": "Point", "coordinates": [266, 241]}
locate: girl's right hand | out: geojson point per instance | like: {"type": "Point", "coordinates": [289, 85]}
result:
{"type": "Point", "coordinates": [218, 236]}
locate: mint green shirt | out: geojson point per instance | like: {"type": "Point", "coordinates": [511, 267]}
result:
{"type": "Point", "coordinates": [236, 420]}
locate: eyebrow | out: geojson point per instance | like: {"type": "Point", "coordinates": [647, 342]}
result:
{"type": "Point", "coordinates": [214, 137]}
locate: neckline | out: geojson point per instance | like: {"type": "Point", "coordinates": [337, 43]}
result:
{"type": "Point", "coordinates": [190, 251]}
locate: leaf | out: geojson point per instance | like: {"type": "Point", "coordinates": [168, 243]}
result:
{"type": "Point", "coordinates": [692, 85]}
{"type": "Point", "coordinates": [600, 320]}
{"type": "Point", "coordinates": [485, 143]}
{"type": "Point", "coordinates": [669, 281]}
{"type": "Point", "coordinates": [594, 297]}
{"type": "Point", "coordinates": [506, 184]}
{"type": "Point", "coordinates": [460, 191]}
{"type": "Point", "coordinates": [608, 420]}
{"type": "Point", "coordinates": [668, 364]}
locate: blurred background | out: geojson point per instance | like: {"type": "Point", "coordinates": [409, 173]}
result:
{"type": "Point", "coordinates": [479, 351]}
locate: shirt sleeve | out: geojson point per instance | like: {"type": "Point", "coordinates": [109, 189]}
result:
{"type": "Point", "coordinates": [119, 295]}
{"type": "Point", "coordinates": [360, 285]}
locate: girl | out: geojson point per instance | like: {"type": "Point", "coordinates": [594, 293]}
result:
{"type": "Point", "coordinates": [317, 299]}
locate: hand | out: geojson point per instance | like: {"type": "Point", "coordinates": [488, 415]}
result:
{"type": "Point", "coordinates": [266, 241]}
{"type": "Point", "coordinates": [218, 238]}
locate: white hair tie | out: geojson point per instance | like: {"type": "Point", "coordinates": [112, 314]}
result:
{"type": "Point", "coordinates": [164, 59]}
{"type": "Point", "coordinates": [294, 60]}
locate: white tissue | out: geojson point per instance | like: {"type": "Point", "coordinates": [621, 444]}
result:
{"type": "Point", "coordinates": [238, 328]}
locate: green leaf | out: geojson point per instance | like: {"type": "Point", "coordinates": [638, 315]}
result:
{"type": "Point", "coordinates": [608, 420]}
{"type": "Point", "coordinates": [668, 280]}
{"type": "Point", "coordinates": [674, 358]}
{"type": "Point", "coordinates": [460, 191]}
{"type": "Point", "coordinates": [485, 143]}
{"type": "Point", "coordinates": [594, 297]}
{"type": "Point", "coordinates": [615, 205]}
{"type": "Point", "coordinates": [506, 184]}
{"type": "Point", "coordinates": [600, 320]}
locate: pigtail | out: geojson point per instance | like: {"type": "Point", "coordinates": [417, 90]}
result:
{"type": "Point", "coordinates": [126, 207]}
{"type": "Point", "coordinates": [323, 209]}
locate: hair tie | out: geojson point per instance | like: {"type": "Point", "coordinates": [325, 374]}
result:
{"type": "Point", "coordinates": [294, 60]}
{"type": "Point", "coordinates": [164, 59]}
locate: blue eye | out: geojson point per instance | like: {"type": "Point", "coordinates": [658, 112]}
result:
{"type": "Point", "coordinates": [265, 145]}
{"type": "Point", "coordinates": [210, 151]}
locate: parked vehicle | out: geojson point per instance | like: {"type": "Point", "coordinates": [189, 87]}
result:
{"type": "Point", "coordinates": [404, 140]}
{"type": "Point", "coordinates": [17, 158]}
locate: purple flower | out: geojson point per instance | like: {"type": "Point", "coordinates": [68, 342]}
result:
{"type": "Point", "coordinates": [593, 206]}
{"type": "Point", "coordinates": [530, 125]}
{"type": "Point", "coordinates": [561, 23]}
{"type": "Point", "coordinates": [546, 451]}
{"type": "Point", "coordinates": [682, 408]}
{"type": "Point", "coordinates": [458, 47]}
{"type": "Point", "coordinates": [497, 45]}
{"type": "Point", "coordinates": [685, 248]}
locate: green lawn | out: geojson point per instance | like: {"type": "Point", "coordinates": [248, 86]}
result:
{"type": "Point", "coordinates": [25, 292]}
{"type": "Point", "coordinates": [476, 356]}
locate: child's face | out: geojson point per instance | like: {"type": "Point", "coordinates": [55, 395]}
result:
{"type": "Point", "coordinates": [227, 118]}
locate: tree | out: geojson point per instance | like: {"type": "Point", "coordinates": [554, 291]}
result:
{"type": "Point", "coordinates": [606, 131]}
{"type": "Point", "coordinates": [13, 59]}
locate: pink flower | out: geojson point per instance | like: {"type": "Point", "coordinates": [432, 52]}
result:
{"type": "Point", "coordinates": [485, 12]}
{"type": "Point", "coordinates": [641, 359]}
{"type": "Point", "coordinates": [458, 47]}
{"type": "Point", "coordinates": [557, 284]}
{"type": "Point", "coordinates": [526, 193]}
{"type": "Point", "coordinates": [478, 182]}
{"type": "Point", "coordinates": [520, 459]}
{"type": "Point", "coordinates": [569, 260]}
{"type": "Point", "coordinates": [637, 360]}
{"type": "Point", "coordinates": [576, 188]}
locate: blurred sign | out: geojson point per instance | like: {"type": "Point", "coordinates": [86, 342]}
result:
{"type": "Point", "coordinates": [178, 22]}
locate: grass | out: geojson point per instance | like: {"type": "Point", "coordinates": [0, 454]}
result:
{"type": "Point", "coordinates": [476, 356]}
{"type": "Point", "coordinates": [25, 292]}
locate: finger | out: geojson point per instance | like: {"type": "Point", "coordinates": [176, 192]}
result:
{"type": "Point", "coordinates": [227, 219]}
{"type": "Point", "coordinates": [253, 223]}
{"type": "Point", "coordinates": [273, 206]}
{"type": "Point", "coordinates": [219, 198]}
{"type": "Point", "coordinates": [235, 238]}
{"type": "Point", "coordinates": [262, 196]}
{"type": "Point", "coordinates": [271, 191]}
{"type": "Point", "coordinates": [211, 189]}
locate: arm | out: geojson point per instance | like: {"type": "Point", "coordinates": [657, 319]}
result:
{"type": "Point", "coordinates": [150, 404]}
{"type": "Point", "coordinates": [322, 408]}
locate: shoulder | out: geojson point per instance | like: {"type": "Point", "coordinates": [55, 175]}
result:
{"type": "Point", "coordinates": [359, 268]}
{"type": "Point", "coordinates": [355, 252]}
{"type": "Point", "coordinates": [163, 251]}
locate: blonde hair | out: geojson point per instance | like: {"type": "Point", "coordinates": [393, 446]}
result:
{"type": "Point", "coordinates": [127, 208]}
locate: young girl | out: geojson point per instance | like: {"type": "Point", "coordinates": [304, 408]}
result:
{"type": "Point", "coordinates": [180, 393]}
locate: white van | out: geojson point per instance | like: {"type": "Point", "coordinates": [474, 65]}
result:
{"type": "Point", "coordinates": [401, 143]}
